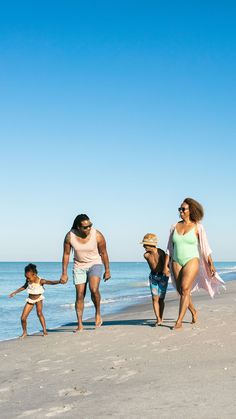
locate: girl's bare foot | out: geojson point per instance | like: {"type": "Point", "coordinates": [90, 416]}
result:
{"type": "Point", "coordinates": [78, 329]}
{"type": "Point", "coordinates": [24, 335]}
{"type": "Point", "coordinates": [194, 317]}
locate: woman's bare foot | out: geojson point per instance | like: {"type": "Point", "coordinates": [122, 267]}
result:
{"type": "Point", "coordinates": [194, 317]}
{"type": "Point", "coordinates": [177, 326]}
{"type": "Point", "coordinates": [78, 329]}
{"type": "Point", "coordinates": [158, 323]}
{"type": "Point", "coordinates": [24, 335]}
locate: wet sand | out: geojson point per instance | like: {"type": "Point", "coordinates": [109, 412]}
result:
{"type": "Point", "coordinates": [127, 368]}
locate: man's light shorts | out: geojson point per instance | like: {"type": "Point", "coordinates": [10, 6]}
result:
{"type": "Point", "coordinates": [81, 276]}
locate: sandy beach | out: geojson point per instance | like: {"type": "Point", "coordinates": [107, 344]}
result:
{"type": "Point", "coordinates": [127, 368]}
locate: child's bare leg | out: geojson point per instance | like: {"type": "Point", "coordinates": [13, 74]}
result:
{"type": "Point", "coordinates": [161, 306]}
{"type": "Point", "coordinates": [26, 311]}
{"type": "Point", "coordinates": [39, 307]}
{"type": "Point", "coordinates": [156, 308]}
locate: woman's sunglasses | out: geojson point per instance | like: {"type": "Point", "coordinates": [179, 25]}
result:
{"type": "Point", "coordinates": [182, 209]}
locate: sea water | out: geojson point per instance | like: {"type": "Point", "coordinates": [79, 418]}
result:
{"type": "Point", "coordinates": [128, 286]}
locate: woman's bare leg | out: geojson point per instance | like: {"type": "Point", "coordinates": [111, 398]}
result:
{"type": "Point", "coordinates": [178, 271]}
{"type": "Point", "coordinates": [188, 275]}
{"type": "Point", "coordinates": [26, 311]}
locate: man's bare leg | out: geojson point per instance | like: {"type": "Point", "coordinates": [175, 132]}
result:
{"type": "Point", "coordinates": [94, 282]}
{"type": "Point", "coordinates": [79, 305]}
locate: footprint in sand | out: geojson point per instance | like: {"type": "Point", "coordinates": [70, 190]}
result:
{"type": "Point", "coordinates": [31, 413]}
{"type": "Point", "coordinates": [126, 377]}
{"type": "Point", "coordinates": [105, 377]}
{"type": "Point", "coordinates": [57, 410]}
{"type": "Point", "coordinates": [42, 369]}
{"type": "Point", "coordinates": [65, 372]}
{"type": "Point", "coordinates": [4, 389]}
{"type": "Point", "coordinates": [119, 362]}
{"type": "Point", "coordinates": [74, 392]}
{"type": "Point", "coordinates": [43, 360]}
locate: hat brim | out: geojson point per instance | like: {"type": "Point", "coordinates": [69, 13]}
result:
{"type": "Point", "coordinates": [149, 244]}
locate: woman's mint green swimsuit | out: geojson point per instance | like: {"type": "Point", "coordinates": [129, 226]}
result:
{"type": "Point", "coordinates": [185, 247]}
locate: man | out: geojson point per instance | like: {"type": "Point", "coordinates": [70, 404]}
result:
{"type": "Point", "coordinates": [90, 255]}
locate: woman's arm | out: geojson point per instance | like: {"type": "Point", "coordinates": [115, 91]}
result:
{"type": "Point", "coordinates": [65, 259]}
{"type": "Point", "coordinates": [211, 265]}
{"type": "Point", "coordinates": [102, 250]}
{"type": "Point", "coordinates": [23, 288]}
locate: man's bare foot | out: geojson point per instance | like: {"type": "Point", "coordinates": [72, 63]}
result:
{"type": "Point", "coordinates": [177, 326]}
{"type": "Point", "coordinates": [194, 317]}
{"type": "Point", "coordinates": [78, 329]}
{"type": "Point", "coordinates": [24, 335]}
{"type": "Point", "coordinates": [98, 322]}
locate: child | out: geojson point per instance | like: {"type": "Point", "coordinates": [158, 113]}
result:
{"type": "Point", "coordinates": [155, 258]}
{"type": "Point", "coordinates": [34, 286]}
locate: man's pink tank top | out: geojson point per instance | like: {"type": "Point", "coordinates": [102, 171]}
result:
{"type": "Point", "coordinates": [85, 254]}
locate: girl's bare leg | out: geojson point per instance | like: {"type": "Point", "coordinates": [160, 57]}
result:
{"type": "Point", "coordinates": [39, 308]}
{"type": "Point", "coordinates": [26, 311]}
{"type": "Point", "coordinates": [188, 275]}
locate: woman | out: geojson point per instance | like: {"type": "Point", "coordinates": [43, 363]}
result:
{"type": "Point", "coordinates": [189, 258]}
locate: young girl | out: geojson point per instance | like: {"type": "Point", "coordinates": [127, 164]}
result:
{"type": "Point", "coordinates": [34, 286]}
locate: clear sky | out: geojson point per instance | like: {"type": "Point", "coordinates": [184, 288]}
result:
{"type": "Point", "coordinates": [117, 109]}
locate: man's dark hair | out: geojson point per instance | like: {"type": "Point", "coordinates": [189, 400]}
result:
{"type": "Point", "coordinates": [78, 220]}
{"type": "Point", "coordinates": [31, 268]}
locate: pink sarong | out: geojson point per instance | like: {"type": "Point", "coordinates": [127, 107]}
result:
{"type": "Point", "coordinates": [207, 281]}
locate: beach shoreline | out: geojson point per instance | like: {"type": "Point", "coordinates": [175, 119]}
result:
{"type": "Point", "coordinates": [127, 368]}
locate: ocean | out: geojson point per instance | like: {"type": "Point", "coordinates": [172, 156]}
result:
{"type": "Point", "coordinates": [128, 286]}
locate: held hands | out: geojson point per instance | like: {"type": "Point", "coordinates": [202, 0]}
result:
{"type": "Point", "coordinates": [106, 276]}
{"type": "Point", "coordinates": [166, 271]}
{"type": "Point", "coordinates": [64, 279]}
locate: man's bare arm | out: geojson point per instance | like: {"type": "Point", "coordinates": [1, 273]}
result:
{"type": "Point", "coordinates": [65, 258]}
{"type": "Point", "coordinates": [102, 250]}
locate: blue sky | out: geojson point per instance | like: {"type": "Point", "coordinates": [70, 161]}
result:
{"type": "Point", "coordinates": [117, 109]}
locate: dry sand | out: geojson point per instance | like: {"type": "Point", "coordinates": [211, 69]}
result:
{"type": "Point", "coordinates": [127, 368]}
